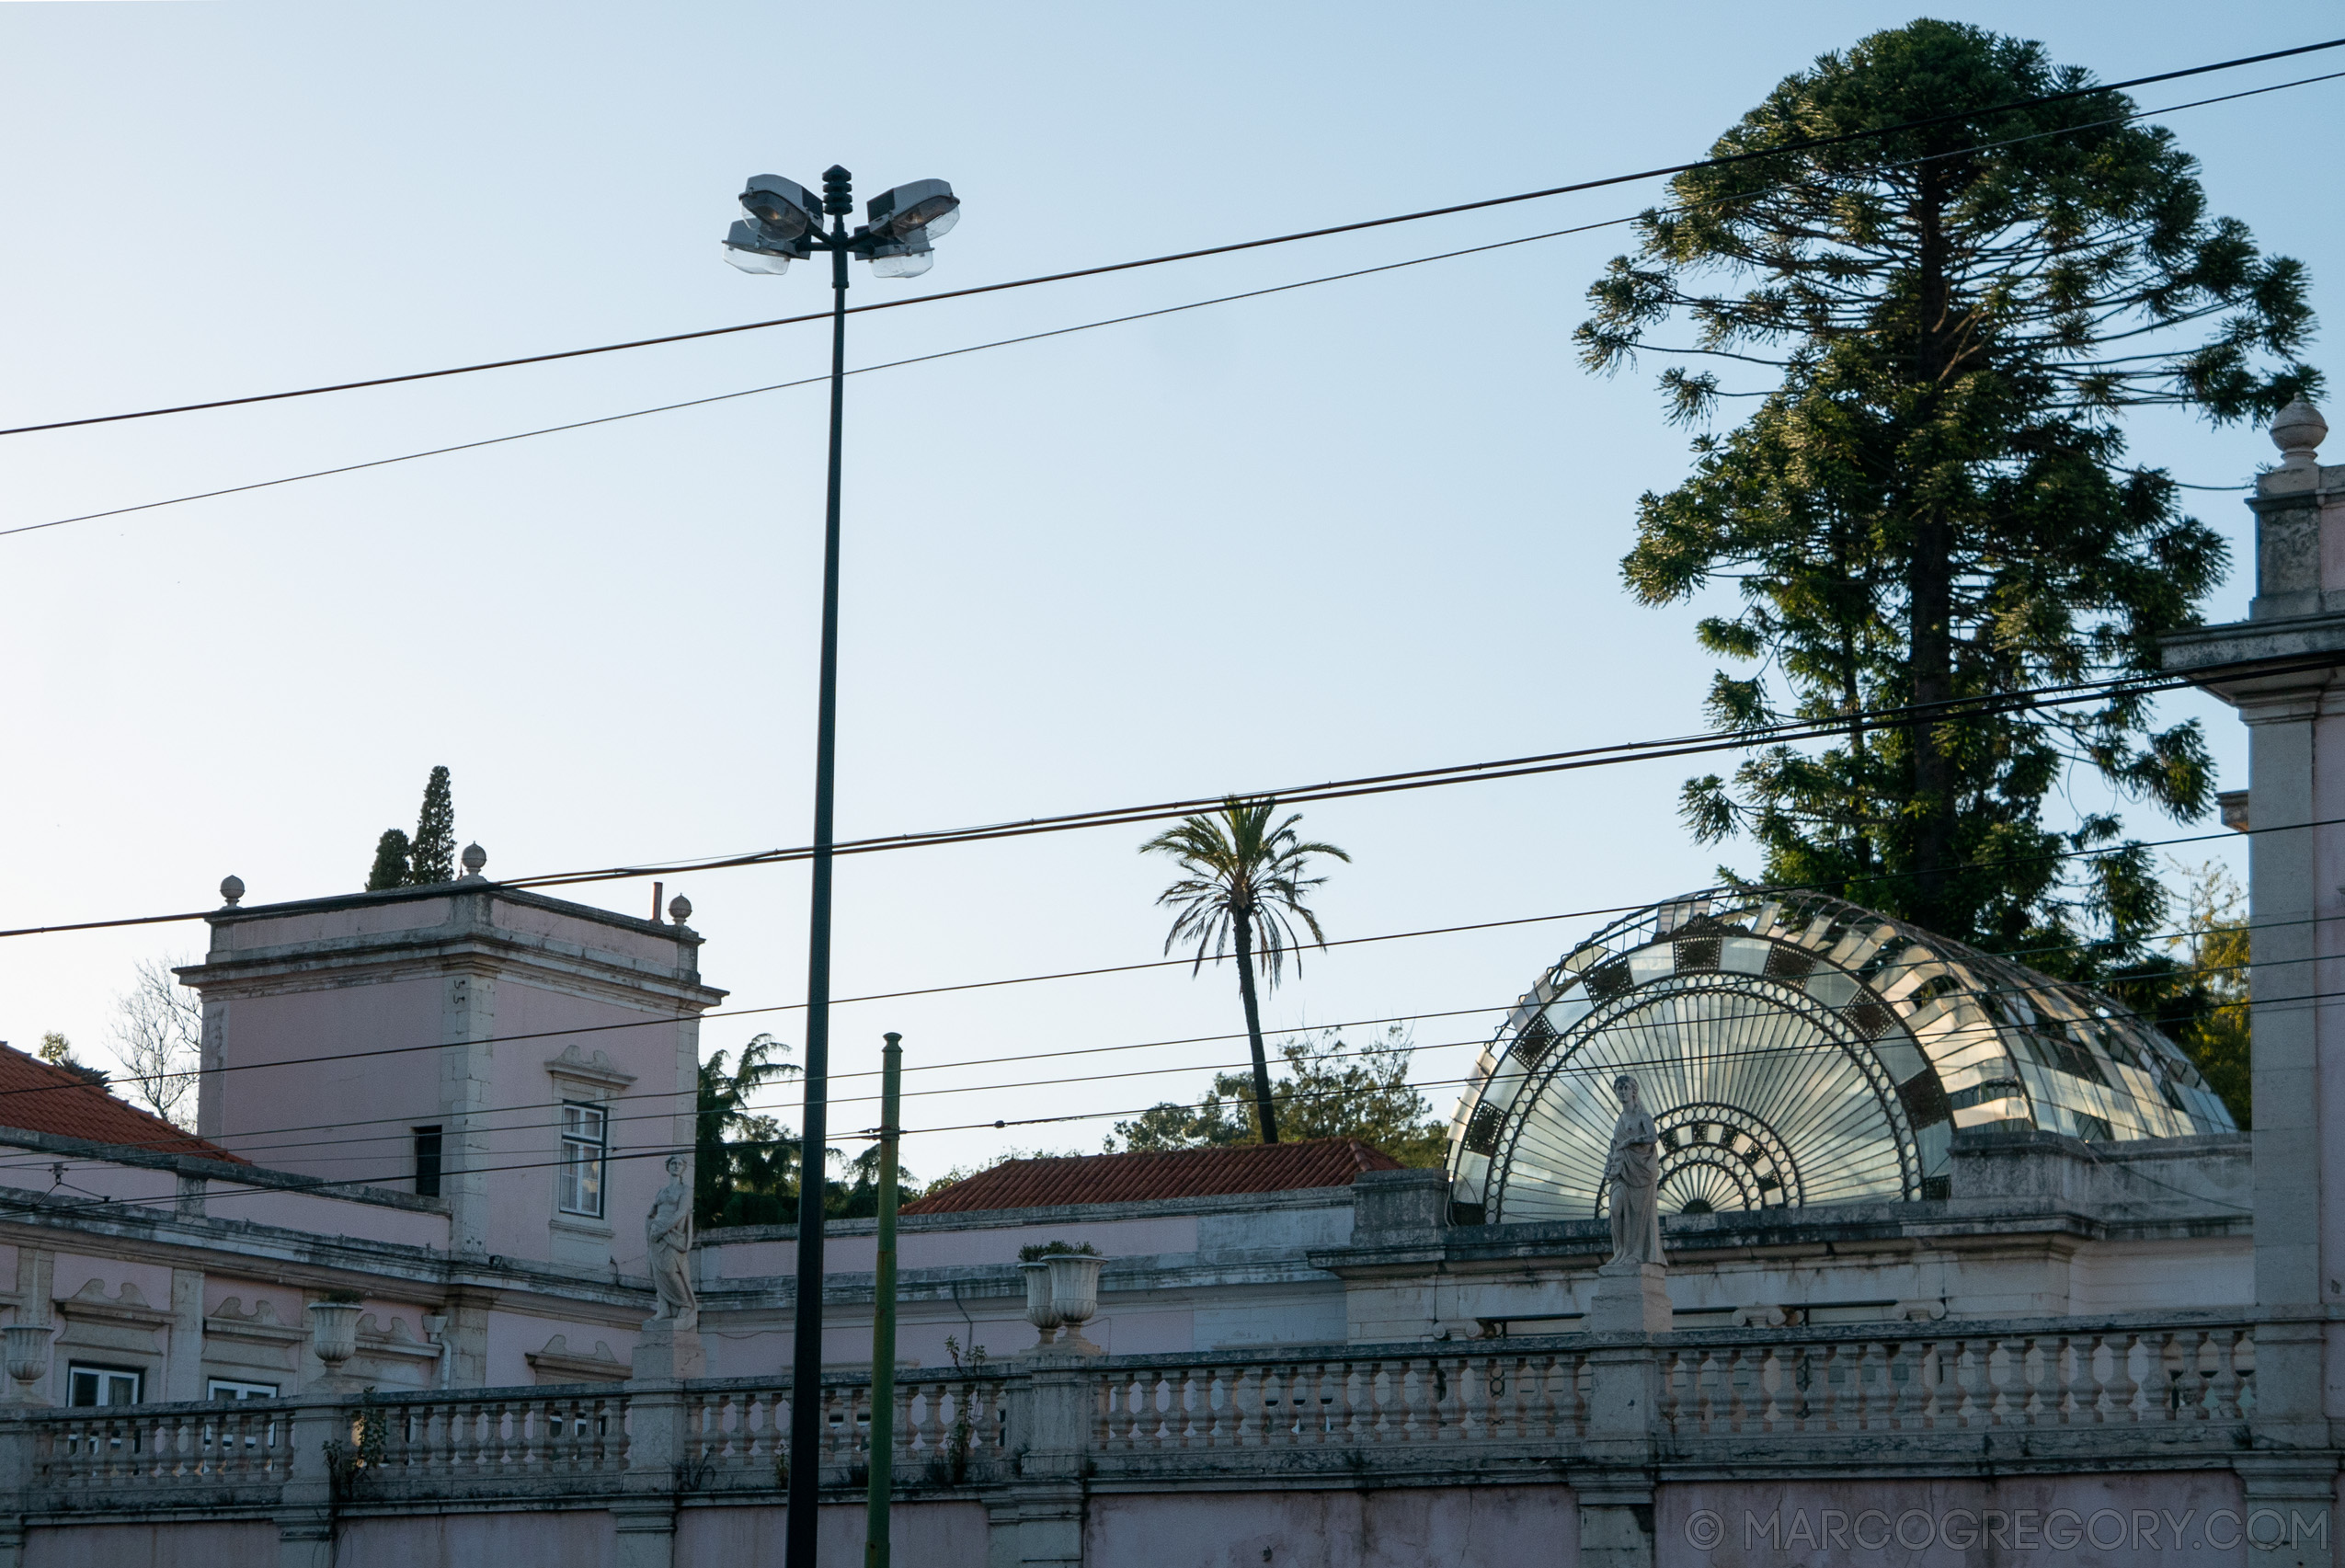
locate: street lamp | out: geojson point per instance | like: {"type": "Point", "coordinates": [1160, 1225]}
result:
{"type": "Point", "coordinates": [785, 224]}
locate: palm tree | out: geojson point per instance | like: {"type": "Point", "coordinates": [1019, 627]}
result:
{"type": "Point", "coordinates": [1243, 883]}
{"type": "Point", "coordinates": [738, 1151]}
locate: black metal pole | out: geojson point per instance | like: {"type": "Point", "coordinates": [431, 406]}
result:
{"type": "Point", "coordinates": [805, 1347]}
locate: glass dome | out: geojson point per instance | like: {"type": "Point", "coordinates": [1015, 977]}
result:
{"type": "Point", "coordinates": [1795, 1049]}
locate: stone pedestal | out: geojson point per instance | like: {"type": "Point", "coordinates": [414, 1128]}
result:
{"type": "Point", "coordinates": [1630, 1299]}
{"type": "Point", "coordinates": [670, 1353]}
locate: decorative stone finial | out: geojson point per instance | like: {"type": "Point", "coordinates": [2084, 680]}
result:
{"type": "Point", "coordinates": [679, 909]}
{"type": "Point", "coordinates": [231, 889]}
{"type": "Point", "coordinates": [2298, 432]}
{"type": "Point", "coordinates": [475, 858]}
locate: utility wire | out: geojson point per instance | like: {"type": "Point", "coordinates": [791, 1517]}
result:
{"type": "Point", "coordinates": [2009, 956]}
{"type": "Point", "coordinates": [1721, 162]}
{"type": "Point", "coordinates": [1112, 321]}
{"type": "Point", "coordinates": [574, 1031]}
{"type": "Point", "coordinates": [2012, 955]}
{"type": "Point", "coordinates": [663, 1152]}
{"type": "Point", "coordinates": [1947, 711]}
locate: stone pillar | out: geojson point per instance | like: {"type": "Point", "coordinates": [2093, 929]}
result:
{"type": "Point", "coordinates": [644, 1514]}
{"type": "Point", "coordinates": [304, 1513]}
{"type": "Point", "coordinates": [2284, 669]}
{"type": "Point", "coordinates": [1614, 1485]}
{"type": "Point", "coordinates": [16, 1480]}
{"type": "Point", "coordinates": [183, 1365]}
{"type": "Point", "coordinates": [468, 1026]}
{"type": "Point", "coordinates": [1041, 1525]}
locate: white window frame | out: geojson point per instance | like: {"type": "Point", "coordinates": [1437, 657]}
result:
{"type": "Point", "coordinates": [230, 1389]}
{"type": "Point", "coordinates": [107, 1380]}
{"type": "Point", "coordinates": [581, 1180]}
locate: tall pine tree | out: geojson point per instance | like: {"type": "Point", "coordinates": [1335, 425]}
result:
{"type": "Point", "coordinates": [432, 856]}
{"type": "Point", "coordinates": [1931, 499]}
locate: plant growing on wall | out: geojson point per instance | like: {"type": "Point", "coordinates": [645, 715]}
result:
{"type": "Point", "coordinates": [1035, 1252]}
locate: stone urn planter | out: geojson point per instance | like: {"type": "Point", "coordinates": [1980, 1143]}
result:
{"type": "Point", "coordinates": [28, 1356]}
{"type": "Point", "coordinates": [1074, 1291]}
{"type": "Point", "coordinates": [1041, 1310]}
{"type": "Point", "coordinates": [334, 1331]}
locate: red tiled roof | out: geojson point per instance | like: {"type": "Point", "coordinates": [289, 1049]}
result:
{"type": "Point", "coordinates": [37, 1097]}
{"type": "Point", "coordinates": [1187, 1172]}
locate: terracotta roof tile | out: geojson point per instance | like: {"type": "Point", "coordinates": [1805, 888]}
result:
{"type": "Point", "coordinates": [1133, 1178]}
{"type": "Point", "coordinates": [37, 1097]}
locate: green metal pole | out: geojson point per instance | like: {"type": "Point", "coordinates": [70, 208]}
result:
{"type": "Point", "coordinates": [883, 1313]}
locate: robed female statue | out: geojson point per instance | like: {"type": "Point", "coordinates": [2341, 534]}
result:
{"type": "Point", "coordinates": [1633, 1169]}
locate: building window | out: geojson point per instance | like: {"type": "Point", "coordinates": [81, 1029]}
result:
{"type": "Point", "coordinates": [92, 1386]}
{"type": "Point", "coordinates": [426, 1161]}
{"type": "Point", "coordinates": [584, 1145]}
{"type": "Point", "coordinates": [223, 1391]}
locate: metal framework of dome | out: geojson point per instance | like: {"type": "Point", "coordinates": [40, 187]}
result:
{"type": "Point", "coordinates": [1795, 1049]}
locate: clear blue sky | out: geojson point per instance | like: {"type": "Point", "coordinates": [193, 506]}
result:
{"type": "Point", "coordinates": [1363, 527]}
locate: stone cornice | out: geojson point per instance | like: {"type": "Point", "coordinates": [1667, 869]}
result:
{"type": "Point", "coordinates": [470, 932]}
{"type": "Point", "coordinates": [2246, 662]}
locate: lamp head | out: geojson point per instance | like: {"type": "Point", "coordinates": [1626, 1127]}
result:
{"type": "Point", "coordinates": [925, 204]}
{"type": "Point", "coordinates": [783, 208]}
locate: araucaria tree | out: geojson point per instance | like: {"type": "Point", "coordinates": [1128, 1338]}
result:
{"type": "Point", "coordinates": [1242, 885]}
{"type": "Point", "coordinates": [1941, 327]}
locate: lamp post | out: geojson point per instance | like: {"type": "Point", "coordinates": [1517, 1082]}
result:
{"type": "Point", "coordinates": [784, 222]}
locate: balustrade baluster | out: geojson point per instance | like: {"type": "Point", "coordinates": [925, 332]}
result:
{"type": "Point", "coordinates": [2223, 1390]}
{"type": "Point", "coordinates": [2128, 1378]}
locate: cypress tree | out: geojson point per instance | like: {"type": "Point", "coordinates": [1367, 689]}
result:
{"type": "Point", "coordinates": [390, 862]}
{"type": "Point", "coordinates": [432, 857]}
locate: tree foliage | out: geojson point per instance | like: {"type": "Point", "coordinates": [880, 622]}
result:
{"type": "Point", "coordinates": [1931, 499]}
{"type": "Point", "coordinates": [2197, 990]}
{"type": "Point", "coordinates": [158, 1033]}
{"type": "Point", "coordinates": [431, 857]}
{"type": "Point", "coordinates": [390, 868]}
{"type": "Point", "coordinates": [58, 1051]}
{"type": "Point", "coordinates": [745, 1167]}
{"type": "Point", "coordinates": [1329, 1090]}
{"type": "Point", "coordinates": [1242, 887]}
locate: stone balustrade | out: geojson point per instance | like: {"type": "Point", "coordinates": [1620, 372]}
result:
{"type": "Point", "coordinates": [1958, 1376]}
{"type": "Point", "coordinates": [1033, 1438]}
{"type": "Point", "coordinates": [1155, 1404]}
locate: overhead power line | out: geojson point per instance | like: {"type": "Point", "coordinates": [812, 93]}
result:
{"type": "Point", "coordinates": [574, 1031]}
{"type": "Point", "coordinates": [1450, 211]}
{"type": "Point", "coordinates": [1950, 710]}
{"type": "Point", "coordinates": [341, 1127]}
{"type": "Point", "coordinates": [486, 442]}
{"type": "Point", "coordinates": [342, 1138]}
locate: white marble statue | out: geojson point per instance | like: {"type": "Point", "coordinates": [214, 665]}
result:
{"type": "Point", "coordinates": [1633, 1168]}
{"type": "Point", "coordinates": [667, 1237]}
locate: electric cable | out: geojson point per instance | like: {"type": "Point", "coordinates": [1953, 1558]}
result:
{"type": "Point", "coordinates": [1115, 321]}
{"type": "Point", "coordinates": [1726, 160]}
{"type": "Point", "coordinates": [1410, 1050]}
{"type": "Point", "coordinates": [1951, 710]}
{"type": "Point", "coordinates": [785, 1007]}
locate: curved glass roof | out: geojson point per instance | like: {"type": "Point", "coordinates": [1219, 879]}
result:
{"type": "Point", "coordinates": [1796, 1049]}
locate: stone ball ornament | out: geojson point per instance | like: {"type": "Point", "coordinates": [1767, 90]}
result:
{"type": "Point", "coordinates": [2298, 431]}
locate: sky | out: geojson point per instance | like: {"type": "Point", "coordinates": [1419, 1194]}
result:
{"type": "Point", "coordinates": [1352, 529]}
